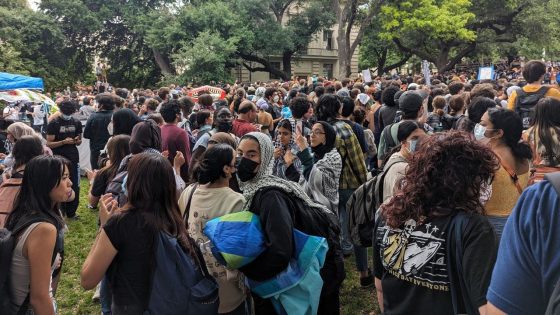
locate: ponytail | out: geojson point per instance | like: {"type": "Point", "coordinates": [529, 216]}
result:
{"type": "Point", "coordinates": [521, 150]}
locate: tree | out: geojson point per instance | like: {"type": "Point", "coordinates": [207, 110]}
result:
{"type": "Point", "coordinates": [205, 59]}
{"type": "Point", "coordinates": [352, 15]}
{"type": "Point", "coordinates": [281, 27]}
{"type": "Point", "coordinates": [379, 53]}
{"type": "Point", "coordinates": [446, 31]}
{"type": "Point", "coordinates": [32, 43]}
{"type": "Point", "coordinates": [434, 30]}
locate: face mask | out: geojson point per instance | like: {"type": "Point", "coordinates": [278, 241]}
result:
{"type": "Point", "coordinates": [479, 132]}
{"type": "Point", "coordinates": [66, 117]}
{"type": "Point", "coordinates": [110, 128]}
{"type": "Point", "coordinates": [412, 145]}
{"type": "Point", "coordinates": [246, 169]}
{"type": "Point", "coordinates": [276, 99]}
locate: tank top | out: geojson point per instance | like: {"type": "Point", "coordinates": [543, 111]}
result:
{"type": "Point", "coordinates": [20, 270]}
{"type": "Point", "coordinates": [504, 193]}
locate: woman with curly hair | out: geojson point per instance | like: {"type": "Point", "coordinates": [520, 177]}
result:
{"type": "Point", "coordinates": [415, 235]}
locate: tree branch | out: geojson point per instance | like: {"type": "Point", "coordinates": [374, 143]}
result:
{"type": "Point", "coordinates": [470, 48]}
{"type": "Point", "coordinates": [253, 69]}
{"type": "Point", "coordinates": [397, 64]}
{"type": "Point", "coordinates": [365, 24]}
{"type": "Point", "coordinates": [419, 53]}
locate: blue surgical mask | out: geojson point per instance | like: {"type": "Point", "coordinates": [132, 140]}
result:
{"type": "Point", "coordinates": [66, 117]}
{"type": "Point", "coordinates": [412, 145]}
{"type": "Point", "coordinates": [479, 132]}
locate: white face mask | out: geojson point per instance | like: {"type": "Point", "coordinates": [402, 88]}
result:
{"type": "Point", "coordinates": [276, 99]}
{"type": "Point", "coordinates": [110, 128]}
{"type": "Point", "coordinates": [479, 132]}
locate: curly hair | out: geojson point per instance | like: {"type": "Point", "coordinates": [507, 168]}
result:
{"type": "Point", "coordinates": [445, 176]}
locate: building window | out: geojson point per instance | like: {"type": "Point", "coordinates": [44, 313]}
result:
{"type": "Point", "coordinates": [328, 70]}
{"type": "Point", "coordinates": [278, 66]}
{"type": "Point", "coordinates": [328, 39]}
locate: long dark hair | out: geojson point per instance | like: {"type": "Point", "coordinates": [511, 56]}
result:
{"type": "Point", "coordinates": [444, 176]}
{"type": "Point", "coordinates": [117, 149]}
{"type": "Point", "coordinates": [211, 167]}
{"type": "Point", "coordinates": [512, 126]}
{"type": "Point", "coordinates": [152, 192]}
{"type": "Point", "coordinates": [42, 174]}
{"type": "Point", "coordinates": [547, 117]}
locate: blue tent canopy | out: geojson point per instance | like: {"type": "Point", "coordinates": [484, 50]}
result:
{"type": "Point", "coordinates": [9, 81]}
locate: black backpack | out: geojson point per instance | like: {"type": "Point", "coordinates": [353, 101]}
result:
{"type": "Point", "coordinates": [554, 301]}
{"type": "Point", "coordinates": [362, 206]}
{"type": "Point", "coordinates": [525, 103]}
{"type": "Point", "coordinates": [8, 241]}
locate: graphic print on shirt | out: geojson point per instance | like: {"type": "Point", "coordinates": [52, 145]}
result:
{"type": "Point", "coordinates": [416, 254]}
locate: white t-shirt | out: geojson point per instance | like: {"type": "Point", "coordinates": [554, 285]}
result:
{"type": "Point", "coordinates": [38, 115]}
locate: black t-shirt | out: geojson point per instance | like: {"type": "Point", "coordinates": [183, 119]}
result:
{"type": "Point", "coordinates": [100, 183]}
{"type": "Point", "coordinates": [96, 130]}
{"type": "Point", "coordinates": [129, 272]}
{"type": "Point", "coordinates": [62, 129]}
{"type": "Point", "coordinates": [412, 265]}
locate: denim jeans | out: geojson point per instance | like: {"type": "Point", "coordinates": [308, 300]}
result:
{"type": "Point", "coordinates": [105, 296]}
{"type": "Point", "coordinates": [359, 251]}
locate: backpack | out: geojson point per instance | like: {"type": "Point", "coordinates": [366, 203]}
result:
{"type": "Point", "coordinates": [362, 205]}
{"type": "Point", "coordinates": [390, 142]}
{"type": "Point", "coordinates": [525, 104]}
{"type": "Point", "coordinates": [9, 191]}
{"type": "Point", "coordinates": [116, 188]}
{"type": "Point", "coordinates": [554, 301]}
{"type": "Point", "coordinates": [180, 284]}
{"type": "Point", "coordinates": [8, 241]}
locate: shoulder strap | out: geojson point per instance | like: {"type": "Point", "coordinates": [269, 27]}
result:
{"type": "Point", "coordinates": [513, 177]}
{"type": "Point", "coordinates": [188, 207]}
{"type": "Point", "coordinates": [380, 181]}
{"type": "Point", "coordinates": [542, 91]}
{"type": "Point", "coordinates": [457, 286]}
{"type": "Point", "coordinates": [554, 179]}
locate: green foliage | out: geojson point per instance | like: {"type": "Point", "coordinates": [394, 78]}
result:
{"type": "Point", "coordinates": [205, 59]}
{"type": "Point", "coordinates": [442, 20]}
{"type": "Point", "coordinates": [33, 44]}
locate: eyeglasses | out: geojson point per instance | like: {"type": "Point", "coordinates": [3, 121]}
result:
{"type": "Point", "coordinates": [316, 132]}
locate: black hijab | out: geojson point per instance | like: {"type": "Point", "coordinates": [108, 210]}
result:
{"type": "Point", "coordinates": [330, 139]}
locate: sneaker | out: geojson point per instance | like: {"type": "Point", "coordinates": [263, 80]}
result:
{"type": "Point", "coordinates": [367, 281]}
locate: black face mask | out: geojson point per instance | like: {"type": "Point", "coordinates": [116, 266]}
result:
{"type": "Point", "coordinates": [246, 169]}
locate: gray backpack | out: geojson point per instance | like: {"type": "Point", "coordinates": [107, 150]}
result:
{"type": "Point", "coordinates": [363, 204]}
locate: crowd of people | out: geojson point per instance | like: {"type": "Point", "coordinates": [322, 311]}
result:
{"type": "Point", "coordinates": [466, 223]}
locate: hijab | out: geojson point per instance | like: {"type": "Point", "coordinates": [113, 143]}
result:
{"type": "Point", "coordinates": [330, 139]}
{"type": "Point", "coordinates": [124, 121]}
{"type": "Point", "coordinates": [19, 129]}
{"type": "Point", "coordinates": [265, 179]}
{"type": "Point", "coordinates": [145, 135]}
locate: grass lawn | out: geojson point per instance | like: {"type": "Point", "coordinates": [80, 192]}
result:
{"type": "Point", "coordinates": [72, 299]}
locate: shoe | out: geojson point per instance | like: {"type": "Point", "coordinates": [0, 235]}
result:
{"type": "Point", "coordinates": [97, 294]}
{"type": "Point", "coordinates": [367, 281]}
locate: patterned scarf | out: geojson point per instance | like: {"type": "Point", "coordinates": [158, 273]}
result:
{"type": "Point", "coordinates": [265, 179]}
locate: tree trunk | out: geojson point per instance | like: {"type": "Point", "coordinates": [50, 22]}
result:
{"type": "Point", "coordinates": [344, 57]}
{"type": "Point", "coordinates": [381, 61]}
{"type": "Point", "coordinates": [287, 64]}
{"type": "Point", "coordinates": [162, 62]}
